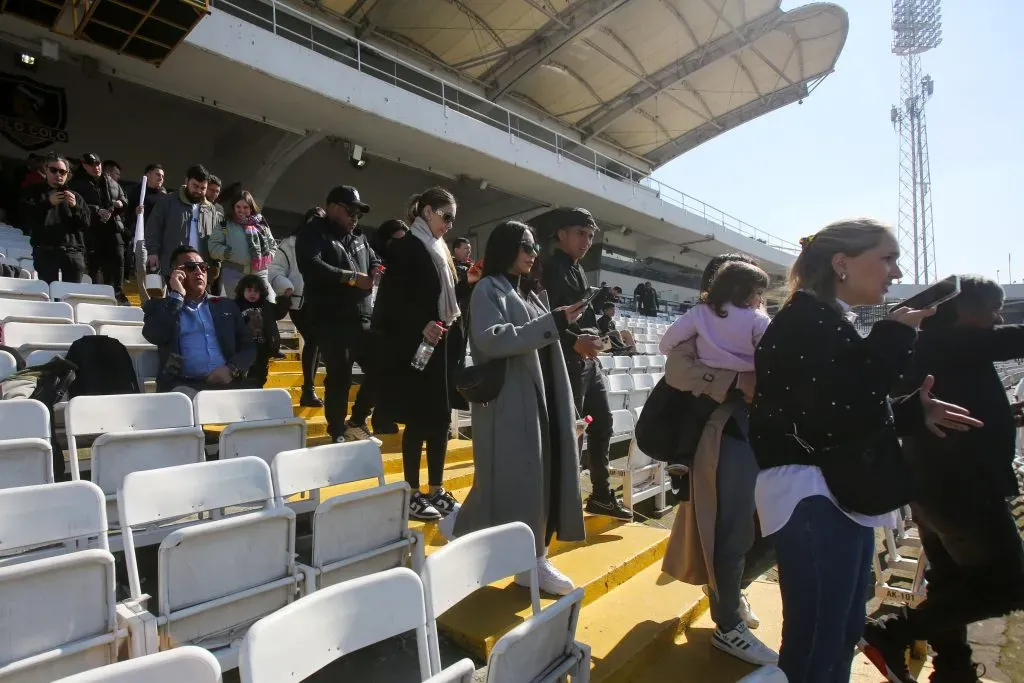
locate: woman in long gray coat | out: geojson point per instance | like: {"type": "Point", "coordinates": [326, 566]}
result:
{"type": "Point", "coordinates": [524, 442]}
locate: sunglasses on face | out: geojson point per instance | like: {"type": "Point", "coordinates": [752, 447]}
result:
{"type": "Point", "coordinates": [530, 248]}
{"type": "Point", "coordinates": [57, 171]}
{"type": "Point", "coordinates": [352, 211]}
{"type": "Point", "coordinates": [447, 218]}
{"type": "Point", "coordinates": [195, 265]}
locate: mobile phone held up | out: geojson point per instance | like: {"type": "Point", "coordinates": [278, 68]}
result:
{"type": "Point", "coordinates": [589, 296]}
{"type": "Point", "coordinates": [939, 293]}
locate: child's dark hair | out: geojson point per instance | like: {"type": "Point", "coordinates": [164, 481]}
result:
{"type": "Point", "coordinates": [256, 282]}
{"type": "Point", "coordinates": [734, 283]}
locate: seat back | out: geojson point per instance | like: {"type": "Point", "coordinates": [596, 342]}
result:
{"type": "Point", "coordinates": [542, 649]}
{"type": "Point", "coordinates": [8, 365]}
{"type": "Point", "coordinates": [187, 664]}
{"type": "Point", "coordinates": [356, 533]}
{"type": "Point", "coordinates": [129, 335]}
{"type": "Point", "coordinates": [622, 364]}
{"type": "Point", "coordinates": [92, 314]}
{"type": "Point", "coordinates": [41, 357]}
{"type": "Point", "coordinates": [302, 638]}
{"type": "Point", "coordinates": [20, 288]}
{"type": "Point", "coordinates": [260, 421]}
{"type": "Point", "coordinates": [471, 562]}
{"type": "Point", "coordinates": [58, 615]}
{"type": "Point", "coordinates": [27, 335]}
{"type": "Point", "coordinates": [640, 364]}
{"type": "Point", "coordinates": [25, 452]}
{"type": "Point", "coordinates": [173, 493]}
{"type": "Point", "coordinates": [47, 519]}
{"type": "Point", "coordinates": [80, 292]}
{"type": "Point", "coordinates": [460, 672]}
{"type": "Point", "coordinates": [28, 310]}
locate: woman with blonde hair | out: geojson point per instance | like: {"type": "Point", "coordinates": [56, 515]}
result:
{"type": "Point", "coordinates": [821, 406]}
{"type": "Point", "coordinates": [244, 243]}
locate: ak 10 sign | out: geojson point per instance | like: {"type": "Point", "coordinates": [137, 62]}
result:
{"type": "Point", "coordinates": [32, 114]}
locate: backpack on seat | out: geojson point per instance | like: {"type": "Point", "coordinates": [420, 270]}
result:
{"type": "Point", "coordinates": [104, 367]}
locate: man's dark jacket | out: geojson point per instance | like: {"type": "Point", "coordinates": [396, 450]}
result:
{"type": "Point", "coordinates": [566, 284]}
{"type": "Point", "coordinates": [160, 327]}
{"type": "Point", "coordinates": [327, 260]}
{"type": "Point", "coordinates": [978, 460]}
{"type": "Point", "coordinates": [55, 227]}
{"type": "Point", "coordinates": [101, 193]}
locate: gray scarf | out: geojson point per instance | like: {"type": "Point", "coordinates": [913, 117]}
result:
{"type": "Point", "coordinates": [447, 303]}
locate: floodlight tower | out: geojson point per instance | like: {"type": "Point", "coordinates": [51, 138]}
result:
{"type": "Point", "coordinates": [916, 28]}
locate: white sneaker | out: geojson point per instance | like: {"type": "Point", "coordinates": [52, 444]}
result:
{"type": "Point", "coordinates": [744, 645]}
{"type": "Point", "coordinates": [746, 611]}
{"type": "Point", "coordinates": [357, 432]}
{"type": "Point", "coordinates": [552, 581]}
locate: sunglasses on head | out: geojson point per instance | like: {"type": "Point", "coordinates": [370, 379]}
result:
{"type": "Point", "coordinates": [530, 247]}
{"type": "Point", "coordinates": [189, 266]}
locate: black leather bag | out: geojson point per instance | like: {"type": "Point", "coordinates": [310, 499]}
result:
{"type": "Point", "coordinates": [482, 383]}
{"type": "Point", "coordinates": [871, 476]}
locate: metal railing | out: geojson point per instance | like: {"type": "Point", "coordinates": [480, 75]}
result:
{"type": "Point", "coordinates": [325, 39]}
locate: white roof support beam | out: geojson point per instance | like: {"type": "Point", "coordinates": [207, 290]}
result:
{"type": "Point", "coordinates": [725, 46]}
{"type": "Point", "coordinates": [555, 34]}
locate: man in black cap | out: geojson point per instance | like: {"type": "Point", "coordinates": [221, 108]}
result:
{"type": "Point", "coordinates": [339, 267]}
{"type": "Point", "coordinates": [106, 239]}
{"type": "Point", "coordinates": [566, 284]}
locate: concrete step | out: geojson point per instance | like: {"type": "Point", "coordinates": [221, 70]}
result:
{"type": "Point", "coordinates": [458, 474]}
{"type": "Point", "coordinates": [606, 560]}
{"type": "Point", "coordinates": [636, 621]}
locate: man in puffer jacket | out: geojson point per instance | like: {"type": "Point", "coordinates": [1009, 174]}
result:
{"type": "Point", "coordinates": [286, 281]}
{"type": "Point", "coordinates": [58, 218]}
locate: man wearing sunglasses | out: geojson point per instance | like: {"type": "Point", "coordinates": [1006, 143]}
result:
{"type": "Point", "coordinates": [566, 284]}
{"type": "Point", "coordinates": [202, 340]}
{"type": "Point", "coordinates": [57, 218]}
{"type": "Point", "coordinates": [107, 202]}
{"type": "Point", "coordinates": [338, 269]}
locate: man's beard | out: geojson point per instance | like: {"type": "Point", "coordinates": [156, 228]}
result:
{"type": "Point", "coordinates": [195, 198]}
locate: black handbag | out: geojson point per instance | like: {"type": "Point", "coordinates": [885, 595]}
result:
{"type": "Point", "coordinates": [482, 383]}
{"type": "Point", "coordinates": [871, 476]}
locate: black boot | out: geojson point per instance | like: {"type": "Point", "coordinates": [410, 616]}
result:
{"type": "Point", "coordinates": [885, 643]}
{"type": "Point", "coordinates": [309, 399]}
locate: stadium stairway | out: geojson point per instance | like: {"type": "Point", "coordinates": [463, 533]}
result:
{"type": "Point", "coordinates": [640, 624]}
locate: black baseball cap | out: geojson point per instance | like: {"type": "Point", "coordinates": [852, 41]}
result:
{"type": "Point", "coordinates": [564, 217]}
{"type": "Point", "coordinates": [90, 159]}
{"type": "Point", "coordinates": [349, 196]}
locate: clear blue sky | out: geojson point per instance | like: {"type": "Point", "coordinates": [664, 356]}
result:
{"type": "Point", "coordinates": [798, 168]}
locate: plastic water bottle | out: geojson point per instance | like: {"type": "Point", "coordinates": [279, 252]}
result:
{"type": "Point", "coordinates": [424, 352]}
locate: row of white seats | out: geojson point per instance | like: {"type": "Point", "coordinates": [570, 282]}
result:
{"type": "Point", "coordinates": [70, 292]}
{"type": "Point", "coordinates": [247, 563]}
{"type": "Point", "coordinates": [16, 250]}
{"type": "Point", "coordinates": [62, 313]}
{"type": "Point", "coordinates": [632, 364]}
{"type": "Point", "coordinates": [630, 390]}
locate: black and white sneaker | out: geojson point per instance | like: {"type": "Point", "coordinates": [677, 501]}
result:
{"type": "Point", "coordinates": [744, 645]}
{"type": "Point", "coordinates": [421, 509]}
{"type": "Point", "coordinates": [443, 501]}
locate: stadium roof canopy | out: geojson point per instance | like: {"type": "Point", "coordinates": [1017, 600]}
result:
{"type": "Point", "coordinates": [652, 77]}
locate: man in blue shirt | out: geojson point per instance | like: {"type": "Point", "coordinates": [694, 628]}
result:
{"type": "Point", "coordinates": [203, 341]}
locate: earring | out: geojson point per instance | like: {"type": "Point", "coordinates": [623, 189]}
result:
{"type": "Point", "coordinates": [842, 277]}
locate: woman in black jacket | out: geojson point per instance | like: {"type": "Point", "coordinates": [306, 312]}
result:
{"type": "Point", "coordinates": [416, 302]}
{"type": "Point", "coordinates": [821, 385]}
{"type": "Point", "coordinates": [975, 557]}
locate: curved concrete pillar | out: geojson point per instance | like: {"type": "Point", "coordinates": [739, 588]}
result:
{"type": "Point", "coordinates": [281, 156]}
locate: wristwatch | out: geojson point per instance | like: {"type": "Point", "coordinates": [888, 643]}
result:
{"type": "Point", "coordinates": [235, 372]}
{"type": "Point", "coordinates": [351, 280]}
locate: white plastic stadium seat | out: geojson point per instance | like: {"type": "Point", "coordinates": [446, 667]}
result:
{"type": "Point", "coordinates": [20, 288]}
{"type": "Point", "coordinates": [60, 613]}
{"type": "Point", "coordinates": [642, 477]}
{"type": "Point", "coordinates": [187, 664]}
{"type": "Point", "coordinates": [31, 311]}
{"type": "Point", "coordinates": [356, 533]}
{"type": "Point", "coordinates": [79, 292]}
{"type": "Point", "coordinates": [297, 641]}
{"type": "Point", "coordinates": [28, 337]}
{"type": "Point", "coordinates": [25, 455]}
{"type": "Point", "coordinates": [216, 577]}
{"type": "Point", "coordinates": [105, 314]}
{"type": "Point", "coordinates": [618, 388]}
{"type": "Point", "coordinates": [8, 365]}
{"type": "Point", "coordinates": [766, 674]}
{"type": "Point", "coordinates": [260, 422]}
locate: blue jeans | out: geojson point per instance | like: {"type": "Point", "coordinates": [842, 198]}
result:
{"type": "Point", "coordinates": [824, 562]}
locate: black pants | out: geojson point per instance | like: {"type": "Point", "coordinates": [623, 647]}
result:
{"type": "Point", "coordinates": [436, 439]}
{"type": "Point", "coordinates": [591, 398]}
{"type": "Point", "coordinates": [976, 572]}
{"type": "Point", "coordinates": [129, 259]}
{"type": "Point", "coordinates": [310, 347]}
{"type": "Point", "coordinates": [339, 352]}
{"type": "Point", "coordinates": [108, 258]}
{"type": "Point", "coordinates": [48, 262]}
